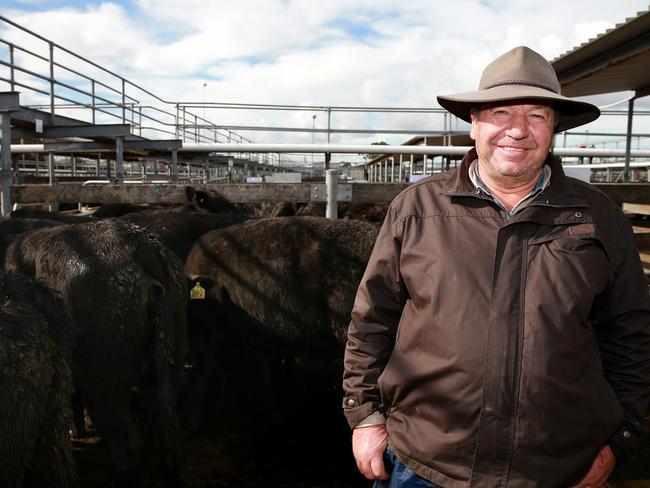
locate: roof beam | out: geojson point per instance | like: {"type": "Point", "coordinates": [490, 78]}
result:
{"type": "Point", "coordinates": [151, 145]}
{"type": "Point", "coordinates": [612, 56]}
{"type": "Point", "coordinates": [102, 130]}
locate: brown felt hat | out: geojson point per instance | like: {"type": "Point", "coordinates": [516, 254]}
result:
{"type": "Point", "coordinates": [521, 74]}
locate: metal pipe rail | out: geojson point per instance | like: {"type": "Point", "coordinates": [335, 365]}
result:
{"type": "Point", "coordinates": [358, 149]}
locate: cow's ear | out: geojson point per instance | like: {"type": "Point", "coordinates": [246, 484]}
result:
{"type": "Point", "coordinates": [189, 193]}
{"type": "Point", "coordinates": [204, 281]}
{"type": "Point", "coordinates": [202, 199]}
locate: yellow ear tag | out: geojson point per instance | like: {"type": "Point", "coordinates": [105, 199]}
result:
{"type": "Point", "coordinates": [197, 292]}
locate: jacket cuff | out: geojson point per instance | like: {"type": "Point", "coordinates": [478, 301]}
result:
{"type": "Point", "coordinates": [375, 418]}
{"type": "Point", "coordinates": [355, 412]}
{"type": "Point", "coordinates": [626, 442]}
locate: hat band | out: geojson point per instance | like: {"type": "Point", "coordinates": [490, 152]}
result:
{"type": "Point", "coordinates": [520, 82]}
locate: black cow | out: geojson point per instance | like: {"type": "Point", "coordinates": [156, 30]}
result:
{"type": "Point", "coordinates": [19, 225]}
{"type": "Point", "coordinates": [37, 213]}
{"type": "Point", "coordinates": [35, 386]}
{"type": "Point", "coordinates": [209, 201]}
{"type": "Point", "coordinates": [109, 210]}
{"type": "Point", "coordinates": [278, 296]}
{"type": "Point", "coordinates": [179, 231]}
{"type": "Point", "coordinates": [126, 294]}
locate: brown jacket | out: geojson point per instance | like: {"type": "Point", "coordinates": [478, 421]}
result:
{"type": "Point", "coordinates": [504, 352]}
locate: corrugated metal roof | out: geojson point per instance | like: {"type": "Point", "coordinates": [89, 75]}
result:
{"type": "Point", "coordinates": [616, 60]}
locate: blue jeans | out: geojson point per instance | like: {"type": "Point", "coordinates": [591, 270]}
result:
{"type": "Point", "coordinates": [400, 475]}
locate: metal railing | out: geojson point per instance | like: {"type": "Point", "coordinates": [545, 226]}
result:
{"type": "Point", "coordinates": [66, 89]}
{"type": "Point", "coordinates": [70, 83]}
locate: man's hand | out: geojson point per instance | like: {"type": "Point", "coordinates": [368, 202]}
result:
{"type": "Point", "coordinates": [368, 444]}
{"type": "Point", "coordinates": [600, 470]}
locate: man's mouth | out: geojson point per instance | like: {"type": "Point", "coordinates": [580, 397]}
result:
{"type": "Point", "coordinates": [515, 149]}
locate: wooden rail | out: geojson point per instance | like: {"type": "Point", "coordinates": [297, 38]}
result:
{"type": "Point", "coordinates": [638, 193]}
{"type": "Point", "coordinates": [167, 193]}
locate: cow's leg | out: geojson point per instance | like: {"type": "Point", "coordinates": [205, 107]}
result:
{"type": "Point", "coordinates": [78, 413]}
{"type": "Point", "coordinates": [111, 414]}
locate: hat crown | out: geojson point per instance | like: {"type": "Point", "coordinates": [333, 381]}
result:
{"type": "Point", "coordinates": [520, 66]}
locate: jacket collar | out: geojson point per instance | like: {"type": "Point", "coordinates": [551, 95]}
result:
{"type": "Point", "coordinates": [559, 192]}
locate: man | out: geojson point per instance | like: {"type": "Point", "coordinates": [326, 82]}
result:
{"type": "Point", "coordinates": [500, 335]}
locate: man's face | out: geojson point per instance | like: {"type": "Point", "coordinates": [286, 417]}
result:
{"type": "Point", "coordinates": [512, 140]}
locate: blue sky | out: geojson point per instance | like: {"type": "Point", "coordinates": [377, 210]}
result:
{"type": "Point", "coordinates": [312, 52]}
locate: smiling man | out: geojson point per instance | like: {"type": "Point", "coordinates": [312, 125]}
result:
{"type": "Point", "coordinates": [500, 336]}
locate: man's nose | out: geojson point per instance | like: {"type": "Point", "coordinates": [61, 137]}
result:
{"type": "Point", "coordinates": [517, 127]}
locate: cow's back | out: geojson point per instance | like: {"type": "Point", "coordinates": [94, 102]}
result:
{"type": "Point", "coordinates": [35, 386]}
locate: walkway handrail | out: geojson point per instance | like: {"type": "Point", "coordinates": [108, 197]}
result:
{"type": "Point", "coordinates": [127, 103]}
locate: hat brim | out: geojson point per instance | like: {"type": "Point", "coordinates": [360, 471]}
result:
{"type": "Point", "coordinates": [573, 113]}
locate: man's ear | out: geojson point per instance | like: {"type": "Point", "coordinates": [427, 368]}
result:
{"type": "Point", "coordinates": [473, 113]}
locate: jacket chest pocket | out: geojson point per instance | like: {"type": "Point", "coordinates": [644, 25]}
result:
{"type": "Point", "coordinates": [571, 261]}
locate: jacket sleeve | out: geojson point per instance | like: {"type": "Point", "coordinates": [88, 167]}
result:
{"type": "Point", "coordinates": [375, 318]}
{"type": "Point", "coordinates": [622, 325]}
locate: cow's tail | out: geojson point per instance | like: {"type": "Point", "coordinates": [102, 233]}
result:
{"type": "Point", "coordinates": [164, 313]}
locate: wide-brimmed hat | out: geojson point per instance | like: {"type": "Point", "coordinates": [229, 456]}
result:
{"type": "Point", "coordinates": [521, 74]}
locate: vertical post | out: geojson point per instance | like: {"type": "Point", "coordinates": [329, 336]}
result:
{"type": "Point", "coordinates": [328, 156]}
{"type": "Point", "coordinates": [401, 168]}
{"type": "Point", "coordinates": [5, 172]}
{"type": "Point", "coordinates": [174, 168]}
{"type": "Point", "coordinates": [92, 90]}
{"type": "Point", "coordinates": [628, 139]}
{"type": "Point", "coordinates": [313, 138]}
{"type": "Point", "coordinates": [52, 81]}
{"type": "Point", "coordinates": [123, 101]}
{"type": "Point", "coordinates": [50, 168]}
{"type": "Point", "coordinates": [73, 165]}
{"type": "Point", "coordinates": [329, 123]}
{"type": "Point", "coordinates": [184, 122]}
{"type": "Point", "coordinates": [140, 120]}
{"type": "Point", "coordinates": [392, 169]}
{"type": "Point", "coordinates": [444, 130]}
{"type": "Point", "coordinates": [11, 63]}
{"type": "Point", "coordinates": [23, 160]}
{"type": "Point", "coordinates": [331, 182]}
{"type": "Point", "coordinates": [119, 160]}
{"type": "Point", "coordinates": [411, 170]}
{"type": "Point", "coordinates": [177, 120]}
{"type": "Point", "coordinates": [206, 169]}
